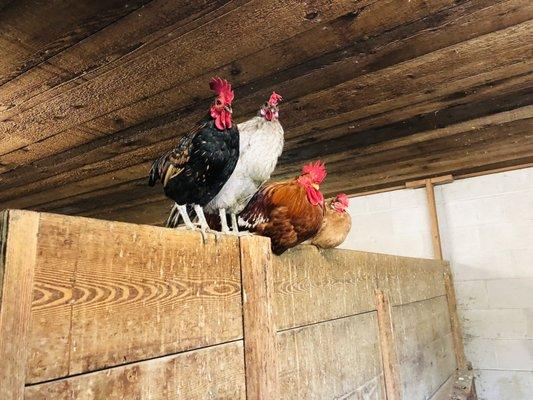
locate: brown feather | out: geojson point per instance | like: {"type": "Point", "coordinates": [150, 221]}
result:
{"type": "Point", "coordinates": [282, 212]}
{"type": "Point", "coordinates": [335, 227]}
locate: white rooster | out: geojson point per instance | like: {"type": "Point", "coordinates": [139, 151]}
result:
{"type": "Point", "coordinates": [260, 145]}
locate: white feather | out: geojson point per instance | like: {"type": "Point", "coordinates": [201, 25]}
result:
{"type": "Point", "coordinates": [260, 145]}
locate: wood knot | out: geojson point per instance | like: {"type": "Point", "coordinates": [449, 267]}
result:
{"type": "Point", "coordinates": [311, 15]}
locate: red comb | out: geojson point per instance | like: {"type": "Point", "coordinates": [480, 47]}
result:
{"type": "Point", "coordinates": [342, 198]}
{"type": "Point", "coordinates": [222, 88]}
{"type": "Point", "coordinates": [317, 170]}
{"type": "Point", "coordinates": [274, 99]}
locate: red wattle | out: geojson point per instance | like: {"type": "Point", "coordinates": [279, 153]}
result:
{"type": "Point", "coordinates": [222, 118]}
{"type": "Point", "coordinates": [314, 196]}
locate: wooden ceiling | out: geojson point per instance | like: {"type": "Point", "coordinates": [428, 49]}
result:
{"type": "Point", "coordinates": [384, 91]}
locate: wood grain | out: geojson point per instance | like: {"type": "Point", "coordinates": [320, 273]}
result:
{"type": "Point", "coordinates": [169, 131]}
{"type": "Point", "coordinates": [406, 280]}
{"type": "Point", "coordinates": [110, 293]}
{"type": "Point", "coordinates": [349, 346]}
{"type": "Point", "coordinates": [424, 346]}
{"type": "Point", "coordinates": [76, 128]}
{"type": "Point", "coordinates": [314, 285]}
{"type": "Point", "coordinates": [458, 345]}
{"type": "Point", "coordinates": [17, 265]}
{"type": "Point", "coordinates": [387, 346]}
{"type": "Point", "coordinates": [213, 373]}
{"type": "Point", "coordinates": [258, 321]}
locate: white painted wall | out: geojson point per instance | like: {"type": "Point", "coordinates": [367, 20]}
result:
{"type": "Point", "coordinates": [487, 234]}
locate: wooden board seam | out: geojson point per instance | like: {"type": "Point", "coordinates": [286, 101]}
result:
{"type": "Point", "coordinates": [129, 363]}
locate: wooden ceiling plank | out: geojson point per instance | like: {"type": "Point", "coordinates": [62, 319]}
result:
{"type": "Point", "coordinates": [463, 22]}
{"type": "Point", "coordinates": [146, 152]}
{"type": "Point", "coordinates": [463, 135]}
{"type": "Point", "coordinates": [40, 30]}
{"type": "Point", "coordinates": [387, 79]}
{"type": "Point", "coordinates": [176, 61]}
{"type": "Point", "coordinates": [453, 159]}
{"type": "Point", "coordinates": [157, 22]}
{"type": "Point", "coordinates": [307, 51]}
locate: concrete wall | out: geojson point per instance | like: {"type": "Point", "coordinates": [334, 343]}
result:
{"type": "Point", "coordinates": [487, 234]}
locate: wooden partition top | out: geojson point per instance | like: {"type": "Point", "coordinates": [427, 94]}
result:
{"type": "Point", "coordinates": [115, 310]}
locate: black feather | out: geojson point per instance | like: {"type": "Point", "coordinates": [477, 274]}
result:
{"type": "Point", "coordinates": [195, 171]}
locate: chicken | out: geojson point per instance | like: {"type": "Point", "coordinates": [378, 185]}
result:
{"type": "Point", "coordinates": [335, 225]}
{"type": "Point", "coordinates": [261, 144]}
{"type": "Point", "coordinates": [195, 171]}
{"type": "Point", "coordinates": [288, 212]}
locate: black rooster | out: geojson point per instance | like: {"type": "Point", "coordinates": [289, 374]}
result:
{"type": "Point", "coordinates": [195, 171]}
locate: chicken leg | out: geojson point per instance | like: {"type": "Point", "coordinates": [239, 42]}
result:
{"type": "Point", "coordinates": [182, 210]}
{"type": "Point", "coordinates": [223, 220]}
{"type": "Point", "coordinates": [204, 226]}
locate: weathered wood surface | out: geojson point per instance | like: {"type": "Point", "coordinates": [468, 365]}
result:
{"type": "Point", "coordinates": [79, 131]}
{"type": "Point", "coordinates": [406, 280]}
{"type": "Point", "coordinates": [348, 346]}
{"type": "Point", "coordinates": [460, 386]}
{"type": "Point", "coordinates": [387, 346]}
{"type": "Point", "coordinates": [213, 373]}
{"type": "Point", "coordinates": [111, 293]}
{"type": "Point", "coordinates": [258, 320]}
{"type": "Point", "coordinates": [131, 310]}
{"type": "Point", "coordinates": [17, 267]}
{"type": "Point", "coordinates": [424, 346]}
{"type": "Point", "coordinates": [313, 285]}
{"type": "Point", "coordinates": [457, 336]}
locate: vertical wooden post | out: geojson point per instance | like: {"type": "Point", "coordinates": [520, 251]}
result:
{"type": "Point", "coordinates": [454, 320]}
{"type": "Point", "coordinates": [433, 220]}
{"type": "Point", "coordinates": [429, 184]}
{"type": "Point", "coordinates": [260, 352]}
{"type": "Point", "coordinates": [15, 300]}
{"type": "Point", "coordinates": [388, 349]}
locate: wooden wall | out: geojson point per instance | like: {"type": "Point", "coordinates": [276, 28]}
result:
{"type": "Point", "coordinates": [97, 309]}
{"type": "Point", "coordinates": [384, 91]}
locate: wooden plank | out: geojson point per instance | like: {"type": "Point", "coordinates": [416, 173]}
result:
{"type": "Point", "coordinates": [111, 293]}
{"type": "Point", "coordinates": [133, 157]}
{"type": "Point", "coordinates": [215, 372]}
{"type": "Point", "coordinates": [290, 53]}
{"type": "Point", "coordinates": [25, 41]}
{"type": "Point", "coordinates": [485, 154]}
{"type": "Point", "coordinates": [393, 54]}
{"type": "Point", "coordinates": [434, 220]}
{"type": "Point", "coordinates": [388, 347]}
{"type": "Point", "coordinates": [424, 346]}
{"type": "Point", "coordinates": [17, 267]}
{"type": "Point", "coordinates": [457, 336]}
{"type": "Point", "coordinates": [313, 285]}
{"type": "Point", "coordinates": [134, 33]}
{"type": "Point", "coordinates": [438, 180]}
{"type": "Point", "coordinates": [407, 280]}
{"type": "Point", "coordinates": [493, 122]}
{"type": "Point", "coordinates": [502, 151]}
{"type": "Point", "coordinates": [332, 360]}
{"type": "Point", "coordinates": [162, 67]}
{"type": "Point", "coordinates": [460, 386]}
{"type": "Point", "coordinates": [259, 326]}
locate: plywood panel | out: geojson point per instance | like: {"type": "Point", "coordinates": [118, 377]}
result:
{"type": "Point", "coordinates": [213, 373]}
{"type": "Point", "coordinates": [332, 360]}
{"type": "Point", "coordinates": [407, 279]}
{"type": "Point", "coordinates": [111, 293]}
{"type": "Point", "coordinates": [313, 285]}
{"type": "Point", "coordinates": [424, 346]}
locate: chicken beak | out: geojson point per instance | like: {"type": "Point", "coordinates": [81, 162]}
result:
{"type": "Point", "coordinates": [228, 109]}
{"type": "Point", "coordinates": [315, 186]}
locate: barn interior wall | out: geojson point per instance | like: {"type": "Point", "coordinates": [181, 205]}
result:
{"type": "Point", "coordinates": [486, 227]}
